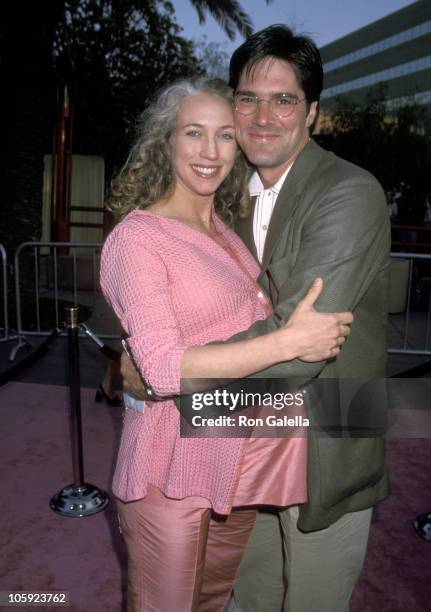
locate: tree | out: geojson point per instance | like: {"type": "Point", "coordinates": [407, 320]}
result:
{"type": "Point", "coordinates": [391, 142]}
{"type": "Point", "coordinates": [228, 13]}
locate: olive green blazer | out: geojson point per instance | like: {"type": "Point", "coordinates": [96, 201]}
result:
{"type": "Point", "coordinates": [330, 220]}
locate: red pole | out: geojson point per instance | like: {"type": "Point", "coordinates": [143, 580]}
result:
{"type": "Point", "coordinates": [62, 169]}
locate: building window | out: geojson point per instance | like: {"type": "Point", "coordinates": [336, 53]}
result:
{"type": "Point", "coordinates": [422, 63]}
{"type": "Point", "coordinates": [377, 47]}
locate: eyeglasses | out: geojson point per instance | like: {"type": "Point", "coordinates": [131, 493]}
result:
{"type": "Point", "coordinates": [280, 104]}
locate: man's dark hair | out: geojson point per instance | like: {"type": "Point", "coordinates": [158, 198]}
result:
{"type": "Point", "coordinates": [280, 42]}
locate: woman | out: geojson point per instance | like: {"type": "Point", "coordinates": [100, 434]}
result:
{"type": "Point", "coordinates": [178, 278]}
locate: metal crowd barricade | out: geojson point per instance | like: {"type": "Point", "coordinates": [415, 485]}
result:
{"type": "Point", "coordinates": [67, 273]}
{"type": "Point", "coordinates": [50, 275]}
{"type": "Point", "coordinates": [410, 314]}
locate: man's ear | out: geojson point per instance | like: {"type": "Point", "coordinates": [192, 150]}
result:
{"type": "Point", "coordinates": [312, 114]}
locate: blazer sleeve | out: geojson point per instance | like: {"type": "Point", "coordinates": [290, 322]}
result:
{"type": "Point", "coordinates": [346, 241]}
{"type": "Point", "coordinates": [135, 282]}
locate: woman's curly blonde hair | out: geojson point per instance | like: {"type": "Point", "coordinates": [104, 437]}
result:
{"type": "Point", "coordinates": [147, 175]}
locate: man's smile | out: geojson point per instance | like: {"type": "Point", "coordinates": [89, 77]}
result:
{"type": "Point", "coordinates": [262, 136]}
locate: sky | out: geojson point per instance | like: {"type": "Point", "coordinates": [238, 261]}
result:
{"type": "Point", "coordinates": [324, 20]}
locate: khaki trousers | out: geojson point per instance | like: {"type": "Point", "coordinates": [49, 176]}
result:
{"type": "Point", "coordinates": [320, 567]}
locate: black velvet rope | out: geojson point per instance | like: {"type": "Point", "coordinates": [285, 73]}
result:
{"type": "Point", "coordinates": [111, 353]}
{"type": "Point", "coordinates": [28, 361]}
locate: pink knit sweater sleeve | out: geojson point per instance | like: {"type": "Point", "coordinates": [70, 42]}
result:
{"type": "Point", "coordinates": [135, 282]}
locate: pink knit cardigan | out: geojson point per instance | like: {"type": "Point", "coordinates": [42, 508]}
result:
{"type": "Point", "coordinates": [172, 287]}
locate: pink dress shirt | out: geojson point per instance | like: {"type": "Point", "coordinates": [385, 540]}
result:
{"type": "Point", "coordinates": [172, 287]}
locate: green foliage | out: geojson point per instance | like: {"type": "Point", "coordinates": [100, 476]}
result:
{"type": "Point", "coordinates": [228, 14]}
{"type": "Point", "coordinates": [391, 142]}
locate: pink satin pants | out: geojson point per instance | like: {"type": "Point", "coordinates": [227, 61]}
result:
{"type": "Point", "coordinates": [182, 558]}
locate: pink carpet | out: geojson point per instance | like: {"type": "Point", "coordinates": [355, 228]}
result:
{"type": "Point", "coordinates": [41, 550]}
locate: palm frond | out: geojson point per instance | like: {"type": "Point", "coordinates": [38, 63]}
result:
{"type": "Point", "coordinates": [229, 14]}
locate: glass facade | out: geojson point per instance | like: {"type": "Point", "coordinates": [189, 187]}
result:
{"type": "Point", "coordinates": [422, 63]}
{"type": "Point", "coordinates": [377, 47]}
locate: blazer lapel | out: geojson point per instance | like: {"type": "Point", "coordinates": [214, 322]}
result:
{"type": "Point", "coordinates": [290, 195]}
{"type": "Point", "coordinates": [244, 229]}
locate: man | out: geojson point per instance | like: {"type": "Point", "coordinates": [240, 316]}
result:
{"type": "Point", "coordinates": [312, 215]}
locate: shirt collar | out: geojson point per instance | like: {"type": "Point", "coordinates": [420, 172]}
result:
{"type": "Point", "coordinates": [256, 186]}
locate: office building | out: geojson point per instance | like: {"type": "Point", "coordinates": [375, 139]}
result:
{"type": "Point", "coordinates": [392, 53]}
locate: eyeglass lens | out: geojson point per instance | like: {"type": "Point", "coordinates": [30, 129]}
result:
{"type": "Point", "coordinates": [280, 105]}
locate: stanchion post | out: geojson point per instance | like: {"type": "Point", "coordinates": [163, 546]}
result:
{"type": "Point", "coordinates": [75, 395]}
{"type": "Point", "coordinates": [81, 498]}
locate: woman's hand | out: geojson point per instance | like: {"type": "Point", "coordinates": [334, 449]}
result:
{"type": "Point", "coordinates": [132, 381]}
{"type": "Point", "coordinates": [317, 335]}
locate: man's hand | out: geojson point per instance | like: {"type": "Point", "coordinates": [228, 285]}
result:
{"type": "Point", "coordinates": [132, 381]}
{"type": "Point", "coordinates": [319, 335]}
